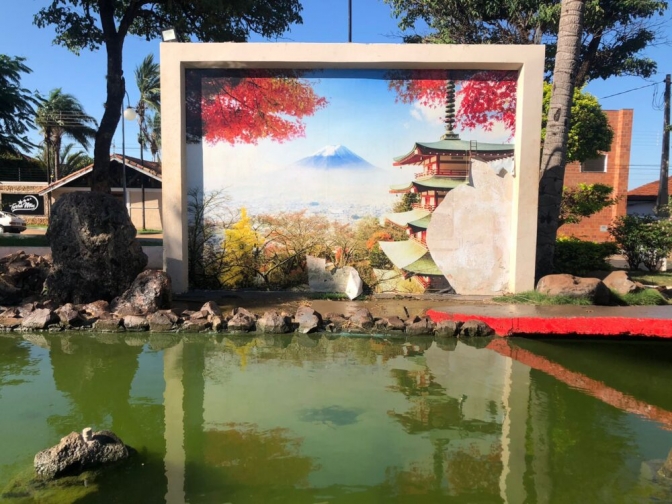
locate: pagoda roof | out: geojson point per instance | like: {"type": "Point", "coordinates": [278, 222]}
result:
{"type": "Point", "coordinates": [421, 223]}
{"type": "Point", "coordinates": [402, 219]}
{"type": "Point", "coordinates": [432, 182]}
{"type": "Point", "coordinates": [403, 253]}
{"type": "Point", "coordinates": [423, 149]}
{"type": "Point", "coordinates": [424, 266]}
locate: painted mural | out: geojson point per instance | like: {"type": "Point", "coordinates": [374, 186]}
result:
{"type": "Point", "coordinates": [339, 164]}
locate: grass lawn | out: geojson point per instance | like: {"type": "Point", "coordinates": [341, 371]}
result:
{"type": "Point", "coordinates": [17, 240]}
{"type": "Point", "coordinates": [646, 297]}
{"type": "Point", "coordinates": [651, 277]}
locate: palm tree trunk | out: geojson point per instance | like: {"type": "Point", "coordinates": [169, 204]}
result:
{"type": "Point", "coordinates": [554, 155]}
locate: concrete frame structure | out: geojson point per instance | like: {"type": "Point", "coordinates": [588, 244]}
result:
{"type": "Point", "coordinates": [528, 60]}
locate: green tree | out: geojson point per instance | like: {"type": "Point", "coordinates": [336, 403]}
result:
{"type": "Point", "coordinates": [90, 24]}
{"type": "Point", "coordinates": [405, 204]}
{"type": "Point", "coordinates": [583, 201]}
{"type": "Point", "coordinates": [62, 115]}
{"type": "Point", "coordinates": [554, 153]}
{"type": "Point", "coordinates": [589, 131]}
{"type": "Point", "coordinates": [614, 36]}
{"type": "Point", "coordinates": [16, 106]}
{"type": "Point", "coordinates": [69, 161]}
{"type": "Point", "coordinates": [643, 239]}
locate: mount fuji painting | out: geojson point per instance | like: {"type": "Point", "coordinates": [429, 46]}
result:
{"type": "Point", "coordinates": [334, 157]}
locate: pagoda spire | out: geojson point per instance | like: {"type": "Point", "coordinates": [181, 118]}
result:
{"type": "Point", "coordinates": [450, 112]}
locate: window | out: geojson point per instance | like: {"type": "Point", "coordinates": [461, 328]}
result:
{"type": "Point", "coordinates": [596, 165]}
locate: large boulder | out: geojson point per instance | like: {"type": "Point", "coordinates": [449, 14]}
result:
{"type": "Point", "coordinates": [77, 453]}
{"type": "Point", "coordinates": [22, 275]}
{"type": "Point", "coordinates": [149, 292]}
{"type": "Point", "coordinates": [619, 282]}
{"type": "Point", "coordinates": [95, 252]}
{"type": "Point", "coordinates": [571, 286]}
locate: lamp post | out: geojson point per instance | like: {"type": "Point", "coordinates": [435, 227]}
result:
{"type": "Point", "coordinates": [129, 114]}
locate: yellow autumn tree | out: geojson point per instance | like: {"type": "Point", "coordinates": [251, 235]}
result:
{"type": "Point", "coordinates": [241, 241]}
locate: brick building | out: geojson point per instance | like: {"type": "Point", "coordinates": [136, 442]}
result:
{"type": "Point", "coordinates": [611, 169]}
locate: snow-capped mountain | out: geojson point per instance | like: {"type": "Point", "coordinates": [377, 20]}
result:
{"type": "Point", "coordinates": [334, 157]}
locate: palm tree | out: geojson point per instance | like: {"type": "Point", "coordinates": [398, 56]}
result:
{"type": "Point", "coordinates": [554, 155]}
{"type": "Point", "coordinates": [148, 81]}
{"type": "Point", "coordinates": [154, 123]}
{"type": "Point", "coordinates": [68, 161]}
{"type": "Point", "coordinates": [62, 115]}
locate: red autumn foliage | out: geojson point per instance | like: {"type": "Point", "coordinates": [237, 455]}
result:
{"type": "Point", "coordinates": [261, 104]}
{"type": "Point", "coordinates": [483, 98]}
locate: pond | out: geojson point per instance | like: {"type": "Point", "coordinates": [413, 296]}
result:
{"type": "Point", "coordinates": [342, 419]}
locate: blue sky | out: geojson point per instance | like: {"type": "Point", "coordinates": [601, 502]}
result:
{"type": "Point", "coordinates": [324, 21]}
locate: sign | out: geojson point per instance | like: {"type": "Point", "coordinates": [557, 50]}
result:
{"type": "Point", "coordinates": [26, 204]}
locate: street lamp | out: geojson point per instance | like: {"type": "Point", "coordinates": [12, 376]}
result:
{"type": "Point", "coordinates": [129, 114]}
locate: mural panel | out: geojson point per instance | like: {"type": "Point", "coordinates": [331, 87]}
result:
{"type": "Point", "coordinates": [340, 164]}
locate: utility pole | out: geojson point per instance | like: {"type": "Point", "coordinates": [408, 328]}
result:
{"type": "Point", "coordinates": [663, 194]}
{"type": "Point", "coordinates": [349, 20]}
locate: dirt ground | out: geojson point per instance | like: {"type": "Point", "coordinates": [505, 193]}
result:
{"type": "Point", "coordinates": [402, 306]}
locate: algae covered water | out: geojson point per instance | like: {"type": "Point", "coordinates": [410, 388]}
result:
{"type": "Point", "coordinates": [316, 419]}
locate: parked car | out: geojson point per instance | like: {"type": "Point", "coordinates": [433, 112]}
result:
{"type": "Point", "coordinates": [10, 223]}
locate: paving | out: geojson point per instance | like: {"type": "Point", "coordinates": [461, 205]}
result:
{"type": "Point", "coordinates": [569, 320]}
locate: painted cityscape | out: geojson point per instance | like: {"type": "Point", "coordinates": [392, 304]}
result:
{"type": "Point", "coordinates": [369, 152]}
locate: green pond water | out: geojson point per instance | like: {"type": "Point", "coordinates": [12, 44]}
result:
{"type": "Point", "coordinates": [302, 419]}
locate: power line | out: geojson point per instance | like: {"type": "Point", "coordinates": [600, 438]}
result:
{"type": "Point", "coordinates": [629, 90]}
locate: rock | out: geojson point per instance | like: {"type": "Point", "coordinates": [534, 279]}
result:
{"type": "Point", "coordinates": [22, 275]}
{"type": "Point", "coordinates": [162, 321]}
{"type": "Point", "coordinates": [337, 321]}
{"type": "Point", "coordinates": [361, 318]}
{"type": "Point", "coordinates": [9, 322]}
{"type": "Point", "coordinates": [95, 251]}
{"type": "Point", "coordinates": [307, 319]}
{"type": "Point", "coordinates": [327, 278]}
{"type": "Point", "coordinates": [67, 314]}
{"type": "Point", "coordinates": [473, 328]}
{"type": "Point", "coordinates": [198, 315]}
{"type": "Point", "coordinates": [107, 325]}
{"type": "Point", "coordinates": [569, 285]}
{"type": "Point", "coordinates": [135, 323]}
{"type": "Point", "coordinates": [76, 454]}
{"type": "Point", "coordinates": [211, 308]}
{"type": "Point", "coordinates": [149, 292]}
{"type": "Point", "coordinates": [273, 323]}
{"type": "Point", "coordinates": [26, 309]}
{"type": "Point", "coordinates": [194, 326]}
{"type": "Point", "coordinates": [218, 323]}
{"type": "Point", "coordinates": [424, 326]}
{"type": "Point", "coordinates": [447, 329]}
{"type": "Point", "coordinates": [619, 282]}
{"type": "Point", "coordinates": [96, 308]}
{"type": "Point", "coordinates": [394, 323]}
{"type": "Point", "coordinates": [39, 319]}
{"type": "Point", "coordinates": [242, 321]}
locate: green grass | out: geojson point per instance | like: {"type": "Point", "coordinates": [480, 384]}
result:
{"type": "Point", "coordinates": [16, 240]}
{"type": "Point", "coordinates": [646, 297]}
{"type": "Point", "coordinates": [149, 231]}
{"type": "Point", "coordinates": [537, 298]}
{"type": "Point", "coordinates": [651, 277]}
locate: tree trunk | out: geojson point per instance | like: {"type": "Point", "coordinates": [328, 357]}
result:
{"type": "Point", "coordinates": [554, 155]}
{"type": "Point", "coordinates": [100, 181]}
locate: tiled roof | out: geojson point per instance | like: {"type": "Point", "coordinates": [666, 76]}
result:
{"type": "Point", "coordinates": [648, 191]}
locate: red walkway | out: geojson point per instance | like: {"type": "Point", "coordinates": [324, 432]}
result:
{"type": "Point", "coordinates": [509, 320]}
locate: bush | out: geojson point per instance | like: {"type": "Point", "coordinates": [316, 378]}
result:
{"type": "Point", "coordinates": [643, 239]}
{"type": "Point", "coordinates": [579, 257]}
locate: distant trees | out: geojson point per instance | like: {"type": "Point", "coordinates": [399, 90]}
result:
{"type": "Point", "coordinates": [61, 116]}
{"type": "Point", "coordinates": [17, 106]}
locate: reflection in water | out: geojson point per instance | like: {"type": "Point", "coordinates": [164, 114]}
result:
{"type": "Point", "coordinates": [303, 418]}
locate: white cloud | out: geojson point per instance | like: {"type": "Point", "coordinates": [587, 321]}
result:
{"type": "Point", "coordinates": [431, 115]}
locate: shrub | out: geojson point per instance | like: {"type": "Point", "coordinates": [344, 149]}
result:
{"type": "Point", "coordinates": [578, 257]}
{"type": "Point", "coordinates": [643, 239]}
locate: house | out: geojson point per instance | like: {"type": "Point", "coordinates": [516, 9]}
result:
{"type": "Point", "coordinates": [612, 168]}
{"type": "Point", "coordinates": [25, 191]}
{"type": "Point", "coordinates": [642, 199]}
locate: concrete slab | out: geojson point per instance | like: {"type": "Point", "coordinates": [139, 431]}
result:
{"type": "Point", "coordinates": [519, 320]}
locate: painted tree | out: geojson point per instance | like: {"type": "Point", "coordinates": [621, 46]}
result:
{"type": "Point", "coordinates": [60, 116]}
{"type": "Point", "coordinates": [90, 24]}
{"type": "Point", "coordinates": [554, 155]}
{"type": "Point", "coordinates": [614, 36]}
{"type": "Point", "coordinates": [17, 106]}
{"type": "Point", "coordinates": [241, 243]}
{"type": "Point", "coordinates": [244, 108]}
